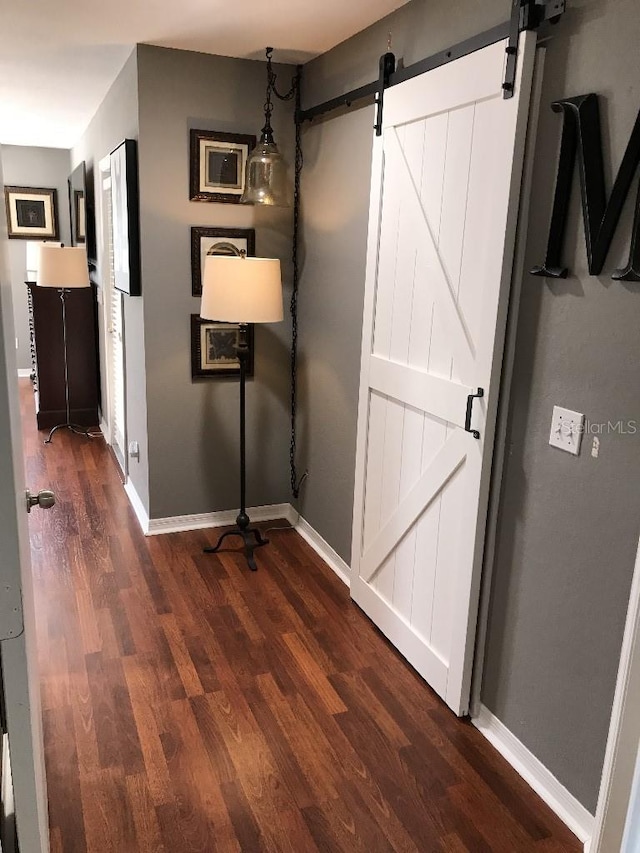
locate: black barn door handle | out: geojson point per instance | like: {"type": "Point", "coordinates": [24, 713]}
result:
{"type": "Point", "coordinates": [467, 420]}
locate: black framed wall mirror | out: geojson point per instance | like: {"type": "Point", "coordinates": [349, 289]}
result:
{"type": "Point", "coordinates": [81, 211]}
{"type": "Point", "coordinates": [83, 233]}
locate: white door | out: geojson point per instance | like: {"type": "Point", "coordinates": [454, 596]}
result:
{"type": "Point", "coordinates": [17, 618]}
{"type": "Point", "coordinates": [114, 328]}
{"type": "Point", "coordinates": [115, 372]}
{"type": "Point", "coordinates": [444, 204]}
{"type": "Point", "coordinates": [617, 819]}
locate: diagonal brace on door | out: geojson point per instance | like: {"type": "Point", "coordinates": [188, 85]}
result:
{"type": "Point", "coordinates": [430, 484]}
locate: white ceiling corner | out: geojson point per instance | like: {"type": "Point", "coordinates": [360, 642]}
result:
{"type": "Point", "coordinates": [57, 61]}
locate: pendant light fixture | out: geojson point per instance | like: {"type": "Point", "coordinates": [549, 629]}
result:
{"type": "Point", "coordinates": [266, 176]}
{"type": "Point", "coordinates": [266, 183]}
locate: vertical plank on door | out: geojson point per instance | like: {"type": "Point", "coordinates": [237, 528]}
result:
{"type": "Point", "coordinates": [411, 139]}
{"type": "Point", "coordinates": [374, 451]}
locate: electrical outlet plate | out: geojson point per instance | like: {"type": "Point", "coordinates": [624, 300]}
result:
{"type": "Point", "coordinates": [566, 430]}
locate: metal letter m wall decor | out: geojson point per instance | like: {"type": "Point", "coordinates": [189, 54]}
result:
{"type": "Point", "coordinates": [581, 132]}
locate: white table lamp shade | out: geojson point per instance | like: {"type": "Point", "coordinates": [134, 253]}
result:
{"type": "Point", "coordinates": [62, 267]}
{"type": "Point", "coordinates": [33, 255]}
{"type": "Point", "coordinates": [241, 290]}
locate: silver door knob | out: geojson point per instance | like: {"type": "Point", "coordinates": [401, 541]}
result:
{"type": "Point", "coordinates": [45, 499]}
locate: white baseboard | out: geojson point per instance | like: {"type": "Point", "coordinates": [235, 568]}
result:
{"type": "Point", "coordinates": [24, 372]}
{"type": "Point", "coordinates": [270, 512]}
{"type": "Point", "coordinates": [579, 820]}
{"type": "Point", "coordinates": [104, 429]}
{"type": "Point", "coordinates": [138, 506]}
{"type": "Point", "coordinates": [200, 521]}
{"type": "Point", "coordinates": [323, 549]}
{"type": "Point", "coordinates": [182, 523]}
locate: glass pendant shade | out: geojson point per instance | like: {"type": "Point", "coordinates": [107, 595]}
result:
{"type": "Point", "coordinates": [266, 176]}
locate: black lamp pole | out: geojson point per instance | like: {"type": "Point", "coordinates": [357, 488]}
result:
{"type": "Point", "coordinates": [251, 536]}
{"type": "Point", "coordinates": [79, 430]}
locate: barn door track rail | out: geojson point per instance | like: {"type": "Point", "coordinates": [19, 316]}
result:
{"type": "Point", "coordinates": [525, 15]}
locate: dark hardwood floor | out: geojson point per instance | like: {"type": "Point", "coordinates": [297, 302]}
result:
{"type": "Point", "coordinates": [190, 705]}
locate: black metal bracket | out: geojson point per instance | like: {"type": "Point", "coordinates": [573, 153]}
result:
{"type": "Point", "coordinates": [387, 67]}
{"type": "Point", "coordinates": [509, 83]}
{"type": "Point", "coordinates": [526, 15]}
{"type": "Point", "coordinates": [467, 419]}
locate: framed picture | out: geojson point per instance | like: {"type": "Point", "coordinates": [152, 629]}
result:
{"type": "Point", "coordinates": [217, 165]}
{"type": "Point", "coordinates": [79, 216]}
{"type": "Point", "coordinates": [125, 218]}
{"type": "Point", "coordinates": [32, 213]}
{"type": "Point", "coordinates": [213, 349]}
{"type": "Point", "coordinates": [77, 204]}
{"type": "Point", "coordinates": [202, 239]}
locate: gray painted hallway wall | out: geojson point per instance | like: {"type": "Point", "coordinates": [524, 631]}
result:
{"type": "Point", "coordinates": [188, 431]}
{"type": "Point", "coordinates": [33, 167]}
{"type": "Point", "coordinates": [194, 425]}
{"type": "Point", "coordinates": [569, 526]}
{"type": "Point", "coordinates": [117, 119]}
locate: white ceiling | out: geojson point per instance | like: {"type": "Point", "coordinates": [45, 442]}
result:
{"type": "Point", "coordinates": [58, 59]}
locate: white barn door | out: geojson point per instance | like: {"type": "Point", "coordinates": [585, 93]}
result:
{"type": "Point", "coordinates": [444, 205]}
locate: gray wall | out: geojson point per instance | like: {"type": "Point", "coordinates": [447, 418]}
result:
{"type": "Point", "coordinates": [33, 167]}
{"type": "Point", "coordinates": [335, 193]}
{"type": "Point", "coordinates": [569, 526]}
{"type": "Point", "coordinates": [193, 426]}
{"type": "Point", "coordinates": [115, 120]}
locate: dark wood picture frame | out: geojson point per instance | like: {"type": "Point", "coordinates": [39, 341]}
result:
{"type": "Point", "coordinates": [201, 367]}
{"type": "Point", "coordinates": [17, 230]}
{"type": "Point", "coordinates": [203, 189]}
{"type": "Point", "coordinates": [125, 218]}
{"type": "Point", "coordinates": [77, 184]}
{"type": "Point", "coordinates": [245, 237]}
{"type": "Point", "coordinates": [79, 208]}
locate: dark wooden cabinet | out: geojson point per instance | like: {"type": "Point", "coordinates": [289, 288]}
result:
{"type": "Point", "coordinates": [47, 352]}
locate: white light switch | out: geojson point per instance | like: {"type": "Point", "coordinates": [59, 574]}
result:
{"type": "Point", "coordinates": [566, 430]}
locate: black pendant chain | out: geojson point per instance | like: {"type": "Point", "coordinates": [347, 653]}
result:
{"type": "Point", "coordinates": [293, 91]}
{"type": "Point", "coordinates": [295, 483]}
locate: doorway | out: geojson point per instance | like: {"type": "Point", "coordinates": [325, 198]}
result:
{"type": "Point", "coordinates": [113, 325]}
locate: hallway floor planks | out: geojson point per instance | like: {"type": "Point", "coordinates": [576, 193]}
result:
{"type": "Point", "coordinates": [191, 705]}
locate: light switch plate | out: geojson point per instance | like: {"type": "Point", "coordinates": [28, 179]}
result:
{"type": "Point", "coordinates": [566, 430]}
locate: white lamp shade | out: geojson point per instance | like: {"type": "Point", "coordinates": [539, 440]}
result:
{"type": "Point", "coordinates": [33, 255]}
{"type": "Point", "coordinates": [241, 290]}
{"type": "Point", "coordinates": [62, 266]}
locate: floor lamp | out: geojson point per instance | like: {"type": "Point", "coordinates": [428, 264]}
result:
{"type": "Point", "coordinates": [241, 290]}
{"type": "Point", "coordinates": [65, 268]}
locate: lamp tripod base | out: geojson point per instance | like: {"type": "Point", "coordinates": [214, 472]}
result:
{"type": "Point", "coordinates": [78, 430]}
{"type": "Point", "coordinates": [251, 537]}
